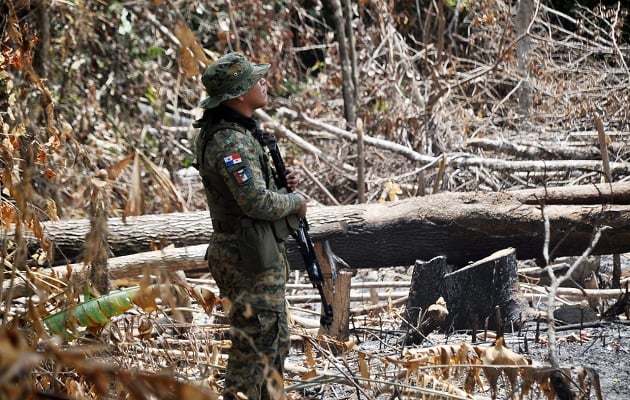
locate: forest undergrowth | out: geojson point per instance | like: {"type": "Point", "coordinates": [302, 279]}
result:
{"type": "Point", "coordinates": [97, 101]}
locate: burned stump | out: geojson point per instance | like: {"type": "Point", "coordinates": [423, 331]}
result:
{"type": "Point", "coordinates": [472, 295]}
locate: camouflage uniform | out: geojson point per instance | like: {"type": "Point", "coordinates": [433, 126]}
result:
{"type": "Point", "coordinates": [243, 200]}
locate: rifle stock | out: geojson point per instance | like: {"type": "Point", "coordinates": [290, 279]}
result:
{"type": "Point", "coordinates": [301, 236]}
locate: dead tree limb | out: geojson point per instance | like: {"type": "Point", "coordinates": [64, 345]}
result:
{"type": "Point", "coordinates": [468, 160]}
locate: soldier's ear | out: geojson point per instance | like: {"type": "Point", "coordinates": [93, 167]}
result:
{"type": "Point", "coordinates": [235, 100]}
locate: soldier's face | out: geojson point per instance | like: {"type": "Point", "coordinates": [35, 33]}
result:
{"type": "Point", "coordinates": [257, 95]}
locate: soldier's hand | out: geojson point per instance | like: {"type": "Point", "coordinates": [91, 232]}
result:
{"type": "Point", "coordinates": [293, 179]}
{"type": "Point", "coordinates": [301, 213]}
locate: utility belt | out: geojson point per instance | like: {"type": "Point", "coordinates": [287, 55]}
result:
{"type": "Point", "coordinates": [225, 225]}
{"type": "Point", "coordinates": [282, 227]}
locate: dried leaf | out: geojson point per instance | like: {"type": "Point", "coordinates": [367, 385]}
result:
{"type": "Point", "coordinates": [205, 298]}
{"type": "Point", "coordinates": [445, 359]}
{"type": "Point", "coordinates": [145, 298]}
{"type": "Point", "coordinates": [35, 226]}
{"type": "Point", "coordinates": [189, 63]}
{"type": "Point", "coordinates": [308, 352]}
{"type": "Point", "coordinates": [145, 328]}
{"type": "Point", "coordinates": [498, 355]}
{"type": "Point", "coordinates": [309, 375]}
{"type": "Point", "coordinates": [51, 210]}
{"type": "Point", "coordinates": [7, 214]}
{"type": "Point", "coordinates": [164, 182]}
{"type": "Point", "coordinates": [75, 390]}
{"type": "Point", "coordinates": [189, 42]}
{"type": "Point", "coordinates": [183, 33]}
{"type": "Point", "coordinates": [49, 173]}
{"type": "Point", "coordinates": [41, 156]}
{"type": "Point", "coordinates": [114, 170]}
{"type": "Point", "coordinates": [363, 365]}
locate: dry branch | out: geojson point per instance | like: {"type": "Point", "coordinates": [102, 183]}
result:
{"type": "Point", "coordinates": [572, 293]}
{"type": "Point", "coordinates": [542, 150]}
{"type": "Point", "coordinates": [55, 279]}
{"type": "Point", "coordinates": [467, 160]}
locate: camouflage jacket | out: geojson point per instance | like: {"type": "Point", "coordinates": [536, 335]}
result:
{"type": "Point", "coordinates": [238, 181]}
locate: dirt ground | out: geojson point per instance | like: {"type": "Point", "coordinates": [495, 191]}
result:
{"type": "Point", "coordinates": [601, 346]}
{"type": "Point", "coordinates": [606, 349]}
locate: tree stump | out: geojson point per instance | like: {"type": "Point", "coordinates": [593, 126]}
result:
{"type": "Point", "coordinates": [472, 293]}
{"type": "Point", "coordinates": [339, 329]}
{"type": "Point", "coordinates": [423, 292]}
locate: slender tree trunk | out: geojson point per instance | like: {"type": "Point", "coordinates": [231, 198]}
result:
{"type": "Point", "coordinates": [360, 162]}
{"type": "Point", "coordinates": [523, 19]}
{"type": "Point", "coordinates": [42, 55]}
{"type": "Point", "coordinates": [352, 53]}
{"type": "Point", "coordinates": [346, 68]}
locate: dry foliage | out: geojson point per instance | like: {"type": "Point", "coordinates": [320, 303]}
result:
{"type": "Point", "coordinates": [96, 104]}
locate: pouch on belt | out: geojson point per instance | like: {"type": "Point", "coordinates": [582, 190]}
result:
{"type": "Point", "coordinates": [257, 244]}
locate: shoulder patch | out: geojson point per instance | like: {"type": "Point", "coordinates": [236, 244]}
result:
{"type": "Point", "coordinates": [242, 175]}
{"type": "Point", "coordinates": [232, 160]}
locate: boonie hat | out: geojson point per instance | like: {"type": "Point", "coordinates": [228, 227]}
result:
{"type": "Point", "coordinates": [231, 76]}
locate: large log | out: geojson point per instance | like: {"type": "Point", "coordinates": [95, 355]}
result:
{"type": "Point", "coordinates": [464, 227]}
{"type": "Point", "coordinates": [130, 267]}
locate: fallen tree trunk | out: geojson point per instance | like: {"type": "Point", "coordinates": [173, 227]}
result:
{"type": "Point", "coordinates": [192, 259]}
{"type": "Point", "coordinates": [464, 227]}
{"type": "Point", "coordinates": [617, 193]}
{"type": "Point", "coordinates": [550, 150]}
{"type": "Point", "coordinates": [53, 280]}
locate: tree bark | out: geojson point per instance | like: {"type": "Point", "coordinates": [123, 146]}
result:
{"type": "Point", "coordinates": [471, 293]}
{"type": "Point", "coordinates": [422, 293]}
{"type": "Point", "coordinates": [464, 227]}
{"type": "Point", "coordinates": [348, 89]}
{"type": "Point", "coordinates": [523, 46]}
{"type": "Point", "coordinates": [124, 267]}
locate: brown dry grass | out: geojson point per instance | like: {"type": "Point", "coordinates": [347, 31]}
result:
{"type": "Point", "coordinates": [114, 110]}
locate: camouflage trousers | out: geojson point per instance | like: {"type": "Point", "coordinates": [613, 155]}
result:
{"type": "Point", "coordinates": [260, 343]}
{"type": "Point", "coordinates": [259, 327]}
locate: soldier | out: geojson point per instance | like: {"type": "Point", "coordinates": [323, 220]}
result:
{"type": "Point", "coordinates": [251, 220]}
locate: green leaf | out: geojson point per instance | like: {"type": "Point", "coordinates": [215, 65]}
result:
{"type": "Point", "coordinates": [94, 312]}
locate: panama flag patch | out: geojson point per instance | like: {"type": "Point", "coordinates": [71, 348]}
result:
{"type": "Point", "coordinates": [242, 175]}
{"type": "Point", "coordinates": [232, 160]}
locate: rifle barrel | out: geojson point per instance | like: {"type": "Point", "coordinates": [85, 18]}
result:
{"type": "Point", "coordinates": [302, 236]}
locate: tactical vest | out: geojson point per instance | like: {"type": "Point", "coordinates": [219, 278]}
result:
{"type": "Point", "coordinates": [224, 210]}
{"type": "Point", "coordinates": [260, 242]}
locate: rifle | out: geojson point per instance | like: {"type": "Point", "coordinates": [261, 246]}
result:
{"type": "Point", "coordinates": [301, 236]}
